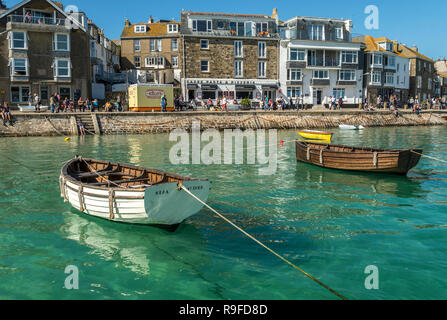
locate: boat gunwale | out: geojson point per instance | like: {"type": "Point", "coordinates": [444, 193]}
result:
{"type": "Point", "coordinates": [66, 176]}
{"type": "Point", "coordinates": [364, 149]}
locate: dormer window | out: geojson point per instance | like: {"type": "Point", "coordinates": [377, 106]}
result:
{"type": "Point", "coordinates": [172, 28]}
{"type": "Point", "coordinates": [140, 29]}
{"type": "Point", "coordinates": [339, 33]}
{"type": "Point", "coordinates": [202, 25]}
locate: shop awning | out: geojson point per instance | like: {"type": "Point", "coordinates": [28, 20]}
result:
{"type": "Point", "coordinates": [192, 86]}
{"type": "Point", "coordinates": [245, 87]}
{"type": "Point", "coordinates": [209, 86]}
{"type": "Point", "coordinates": [270, 87]}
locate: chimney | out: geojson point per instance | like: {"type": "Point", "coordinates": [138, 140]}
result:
{"type": "Point", "coordinates": [415, 48]}
{"type": "Point", "coordinates": [2, 6]}
{"type": "Point", "coordinates": [59, 4]}
{"type": "Point", "coordinates": [151, 20]}
{"type": "Point", "coordinates": [127, 23]}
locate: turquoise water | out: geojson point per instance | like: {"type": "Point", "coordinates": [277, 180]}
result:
{"type": "Point", "coordinates": [332, 224]}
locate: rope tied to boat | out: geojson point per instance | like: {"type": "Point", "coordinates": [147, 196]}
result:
{"type": "Point", "coordinates": [261, 244]}
{"type": "Point", "coordinates": [433, 158]}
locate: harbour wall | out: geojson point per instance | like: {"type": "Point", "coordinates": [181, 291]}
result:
{"type": "Point", "coordinates": [46, 124]}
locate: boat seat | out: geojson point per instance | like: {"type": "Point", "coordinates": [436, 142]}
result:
{"type": "Point", "coordinates": [103, 184]}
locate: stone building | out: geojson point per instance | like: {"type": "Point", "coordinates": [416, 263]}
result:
{"type": "Point", "coordinates": [422, 73]}
{"type": "Point", "coordinates": [154, 50]}
{"type": "Point", "coordinates": [318, 60]}
{"type": "Point", "coordinates": [42, 50]}
{"type": "Point", "coordinates": [441, 79]}
{"type": "Point", "coordinates": [232, 55]}
{"type": "Point", "coordinates": [386, 69]}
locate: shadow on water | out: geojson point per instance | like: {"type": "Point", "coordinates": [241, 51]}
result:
{"type": "Point", "coordinates": [384, 184]}
{"type": "Point", "coordinates": [139, 248]}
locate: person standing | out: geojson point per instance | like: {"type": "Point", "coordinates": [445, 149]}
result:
{"type": "Point", "coordinates": [224, 103]}
{"type": "Point", "coordinates": [340, 103]}
{"type": "Point", "coordinates": [52, 104]}
{"type": "Point", "coordinates": [37, 102]}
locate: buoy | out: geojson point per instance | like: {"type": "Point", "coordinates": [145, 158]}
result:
{"type": "Point", "coordinates": [282, 143]}
{"type": "Point", "coordinates": [67, 139]}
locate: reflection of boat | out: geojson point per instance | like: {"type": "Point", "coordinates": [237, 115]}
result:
{"type": "Point", "coordinates": [316, 135]}
{"type": "Point", "coordinates": [126, 193]}
{"type": "Point", "coordinates": [357, 159]}
{"type": "Point", "coordinates": [143, 251]}
{"type": "Point", "coordinates": [351, 127]}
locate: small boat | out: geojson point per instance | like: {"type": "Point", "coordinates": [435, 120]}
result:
{"type": "Point", "coordinates": [32, 108]}
{"type": "Point", "coordinates": [316, 135]}
{"type": "Point", "coordinates": [351, 127]}
{"type": "Point", "coordinates": [398, 161]}
{"type": "Point", "coordinates": [130, 194]}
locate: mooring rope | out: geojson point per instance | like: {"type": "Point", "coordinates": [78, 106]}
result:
{"type": "Point", "coordinates": [263, 245]}
{"type": "Point", "coordinates": [433, 158]}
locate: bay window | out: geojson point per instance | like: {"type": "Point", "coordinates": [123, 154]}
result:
{"type": "Point", "coordinates": [297, 55]}
{"type": "Point", "coordinates": [321, 74]}
{"type": "Point", "coordinates": [19, 67]}
{"type": "Point", "coordinates": [346, 75]}
{"type": "Point", "coordinates": [349, 56]}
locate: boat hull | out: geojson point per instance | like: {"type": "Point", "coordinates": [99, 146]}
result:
{"type": "Point", "coordinates": [357, 159]}
{"type": "Point", "coordinates": [316, 135]}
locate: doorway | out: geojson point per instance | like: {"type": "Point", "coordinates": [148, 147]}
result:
{"type": "Point", "coordinates": [44, 95]}
{"type": "Point", "coordinates": [317, 93]}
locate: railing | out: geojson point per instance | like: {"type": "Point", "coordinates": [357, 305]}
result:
{"type": "Point", "coordinates": [111, 77]}
{"type": "Point", "coordinates": [36, 20]}
{"type": "Point", "coordinates": [320, 62]}
{"type": "Point", "coordinates": [228, 33]}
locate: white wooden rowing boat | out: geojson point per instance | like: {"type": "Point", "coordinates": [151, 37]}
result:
{"type": "Point", "coordinates": [351, 127]}
{"type": "Point", "coordinates": [130, 194]}
{"type": "Point", "coordinates": [32, 108]}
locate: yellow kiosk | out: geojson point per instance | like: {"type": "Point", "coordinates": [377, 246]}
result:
{"type": "Point", "coordinates": [147, 97]}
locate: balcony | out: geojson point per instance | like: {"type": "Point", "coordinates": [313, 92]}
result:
{"type": "Point", "coordinates": [320, 82]}
{"type": "Point", "coordinates": [111, 77]}
{"type": "Point", "coordinates": [42, 24]}
{"type": "Point", "coordinates": [327, 62]}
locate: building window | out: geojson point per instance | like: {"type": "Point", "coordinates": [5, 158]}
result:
{"type": "Point", "coordinates": [204, 44]}
{"type": "Point", "coordinates": [346, 75]}
{"type": "Point", "coordinates": [316, 32]}
{"type": "Point", "coordinates": [377, 59]}
{"type": "Point", "coordinates": [17, 40]}
{"type": "Point", "coordinates": [172, 28]}
{"type": "Point", "coordinates": [61, 42]}
{"type": "Point", "coordinates": [390, 61]}
{"type": "Point", "coordinates": [19, 94]}
{"type": "Point", "coordinates": [19, 67]}
{"type": "Point", "coordinates": [174, 45]}
{"type": "Point", "coordinates": [389, 78]}
{"type": "Point", "coordinates": [294, 74]}
{"type": "Point", "coordinates": [156, 45]}
{"type": "Point", "coordinates": [419, 82]}
{"type": "Point", "coordinates": [297, 55]}
{"type": "Point", "coordinates": [237, 28]}
{"type": "Point", "coordinates": [204, 66]}
{"type": "Point", "coordinates": [152, 62]}
{"type": "Point", "coordinates": [339, 33]}
{"type": "Point", "coordinates": [261, 27]}
{"type": "Point", "coordinates": [349, 57]}
{"type": "Point", "coordinates": [293, 92]}
{"type": "Point", "coordinates": [339, 93]}
{"type": "Point", "coordinates": [202, 25]}
{"type": "Point", "coordinates": [377, 77]}
{"type": "Point", "coordinates": [140, 29]}
{"type": "Point", "coordinates": [238, 68]}
{"type": "Point", "coordinates": [62, 68]}
{"type": "Point", "coordinates": [429, 83]}
{"type": "Point", "coordinates": [321, 74]}
{"type": "Point", "coordinates": [174, 60]}
{"type": "Point", "coordinates": [262, 69]}
{"type": "Point", "coordinates": [65, 92]}
{"type": "Point", "coordinates": [136, 45]}
{"type": "Point", "coordinates": [137, 62]}
{"type": "Point", "coordinates": [262, 50]}
{"type": "Point", "coordinates": [238, 49]}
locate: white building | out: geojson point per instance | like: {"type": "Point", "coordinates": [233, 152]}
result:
{"type": "Point", "coordinates": [318, 60]}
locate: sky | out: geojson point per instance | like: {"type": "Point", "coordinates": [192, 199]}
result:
{"type": "Point", "coordinates": [412, 22]}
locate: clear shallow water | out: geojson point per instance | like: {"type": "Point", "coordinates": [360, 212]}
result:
{"type": "Point", "coordinates": [330, 223]}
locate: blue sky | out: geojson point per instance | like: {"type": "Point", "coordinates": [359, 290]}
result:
{"type": "Point", "coordinates": [412, 22]}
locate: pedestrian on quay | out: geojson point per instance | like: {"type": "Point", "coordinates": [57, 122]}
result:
{"type": "Point", "coordinates": [224, 103]}
{"type": "Point", "coordinates": [95, 105]}
{"type": "Point", "coordinates": [52, 104]}
{"type": "Point", "coordinates": [88, 105]}
{"type": "Point", "coordinates": [37, 102]}
{"type": "Point", "coordinates": [30, 99]}
{"type": "Point", "coordinates": [6, 114]}
{"type": "Point", "coordinates": [80, 103]}
{"type": "Point", "coordinates": [340, 103]}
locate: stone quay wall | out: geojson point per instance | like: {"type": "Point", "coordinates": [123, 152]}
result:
{"type": "Point", "coordinates": [46, 124]}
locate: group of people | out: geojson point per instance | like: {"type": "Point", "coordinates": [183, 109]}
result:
{"type": "Point", "coordinates": [6, 114]}
{"type": "Point", "coordinates": [60, 104]}
{"type": "Point", "coordinates": [334, 103]}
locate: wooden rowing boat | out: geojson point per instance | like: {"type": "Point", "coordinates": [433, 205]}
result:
{"type": "Point", "coordinates": [358, 159]}
{"type": "Point", "coordinates": [350, 127]}
{"type": "Point", "coordinates": [316, 135]}
{"type": "Point", "coordinates": [130, 194]}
